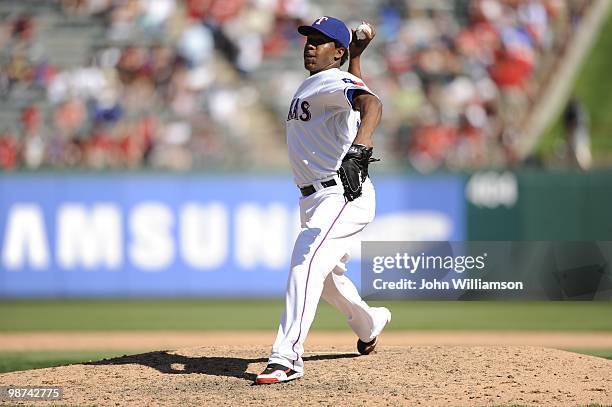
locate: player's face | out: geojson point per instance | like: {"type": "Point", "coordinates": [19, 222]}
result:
{"type": "Point", "coordinates": [320, 53]}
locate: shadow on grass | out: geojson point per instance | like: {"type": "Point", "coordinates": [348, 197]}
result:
{"type": "Point", "coordinates": [165, 362]}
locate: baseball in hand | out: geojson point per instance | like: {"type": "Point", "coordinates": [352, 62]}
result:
{"type": "Point", "coordinates": [363, 31]}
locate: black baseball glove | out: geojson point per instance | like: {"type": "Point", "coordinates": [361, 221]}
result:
{"type": "Point", "coordinates": [354, 170]}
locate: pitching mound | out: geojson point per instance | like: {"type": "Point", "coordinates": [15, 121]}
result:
{"type": "Point", "coordinates": [418, 375]}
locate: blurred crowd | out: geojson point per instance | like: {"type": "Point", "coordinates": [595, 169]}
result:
{"type": "Point", "coordinates": [463, 80]}
{"type": "Point", "coordinates": [189, 84]}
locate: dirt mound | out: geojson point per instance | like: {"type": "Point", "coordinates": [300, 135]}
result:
{"type": "Point", "coordinates": [417, 375]}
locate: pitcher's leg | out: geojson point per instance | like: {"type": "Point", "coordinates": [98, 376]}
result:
{"type": "Point", "coordinates": [313, 257]}
{"type": "Point", "coordinates": [301, 300]}
{"type": "Point", "coordinates": [367, 322]}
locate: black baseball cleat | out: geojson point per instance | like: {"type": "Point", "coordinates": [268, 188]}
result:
{"type": "Point", "coordinates": [382, 318]}
{"type": "Point", "coordinates": [365, 348]}
{"type": "Point", "coordinates": [276, 373]}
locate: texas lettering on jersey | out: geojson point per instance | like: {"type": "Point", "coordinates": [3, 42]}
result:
{"type": "Point", "coordinates": [304, 115]}
{"type": "Point", "coordinates": [322, 124]}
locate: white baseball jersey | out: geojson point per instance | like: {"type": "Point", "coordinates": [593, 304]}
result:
{"type": "Point", "coordinates": [321, 124]}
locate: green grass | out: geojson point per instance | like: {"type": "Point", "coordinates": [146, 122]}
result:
{"type": "Point", "coordinates": [600, 353]}
{"type": "Point", "coordinates": [114, 315]}
{"type": "Point", "coordinates": [13, 361]}
{"type": "Point", "coordinates": [591, 88]}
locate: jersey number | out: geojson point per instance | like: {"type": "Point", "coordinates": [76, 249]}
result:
{"type": "Point", "coordinates": [293, 110]}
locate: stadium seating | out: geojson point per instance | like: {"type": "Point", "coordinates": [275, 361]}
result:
{"type": "Point", "coordinates": [184, 85]}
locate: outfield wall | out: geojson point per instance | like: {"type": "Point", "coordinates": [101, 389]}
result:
{"type": "Point", "coordinates": [183, 235]}
{"type": "Point", "coordinates": [124, 235]}
{"type": "Point", "coordinates": [534, 205]}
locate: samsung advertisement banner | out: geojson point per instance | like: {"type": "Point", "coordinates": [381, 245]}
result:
{"type": "Point", "coordinates": [184, 235]}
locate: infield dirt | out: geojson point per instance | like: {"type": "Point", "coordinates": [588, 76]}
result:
{"type": "Point", "coordinates": [336, 375]}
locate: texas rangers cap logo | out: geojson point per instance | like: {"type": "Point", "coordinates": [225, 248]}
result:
{"type": "Point", "coordinates": [330, 27]}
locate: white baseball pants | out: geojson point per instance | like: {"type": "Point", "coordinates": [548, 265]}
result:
{"type": "Point", "coordinates": [318, 264]}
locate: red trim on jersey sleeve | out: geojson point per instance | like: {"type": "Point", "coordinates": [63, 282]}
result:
{"type": "Point", "coordinates": [349, 80]}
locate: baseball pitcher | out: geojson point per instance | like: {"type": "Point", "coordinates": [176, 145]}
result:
{"type": "Point", "coordinates": [330, 124]}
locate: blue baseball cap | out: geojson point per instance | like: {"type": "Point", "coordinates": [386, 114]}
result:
{"type": "Point", "coordinates": [330, 27]}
